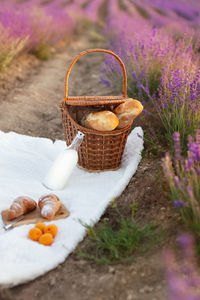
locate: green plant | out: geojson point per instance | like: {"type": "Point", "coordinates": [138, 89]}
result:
{"type": "Point", "coordinates": [10, 48]}
{"type": "Point", "coordinates": [183, 177]}
{"type": "Point", "coordinates": [111, 244]}
{"type": "Point", "coordinates": [42, 51]}
{"type": "Point", "coordinates": [154, 142]}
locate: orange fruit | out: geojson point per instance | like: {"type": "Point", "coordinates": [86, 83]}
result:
{"type": "Point", "coordinates": [51, 228]}
{"type": "Point", "coordinates": [46, 239]}
{"type": "Point", "coordinates": [34, 234]}
{"type": "Point", "coordinates": [41, 226]}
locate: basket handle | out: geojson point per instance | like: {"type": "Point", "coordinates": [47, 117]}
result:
{"type": "Point", "coordinates": [98, 50]}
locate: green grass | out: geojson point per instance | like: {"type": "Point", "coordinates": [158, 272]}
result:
{"type": "Point", "coordinates": [111, 244]}
{"type": "Point", "coordinates": [42, 52]}
{"type": "Point", "coordinates": [175, 119]}
{"type": "Point", "coordinates": [154, 143]}
{"type": "Point", "coordinates": [9, 51]}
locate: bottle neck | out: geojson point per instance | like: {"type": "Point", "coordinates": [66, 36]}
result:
{"type": "Point", "coordinates": [76, 141]}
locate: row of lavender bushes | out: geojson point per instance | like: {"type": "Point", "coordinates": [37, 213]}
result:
{"type": "Point", "coordinates": [29, 26]}
{"type": "Point", "coordinates": [35, 26]}
{"type": "Point", "coordinates": [159, 43]}
{"type": "Point", "coordinates": [182, 272]}
{"type": "Point", "coordinates": [159, 66]}
{"type": "Point", "coordinates": [183, 175]}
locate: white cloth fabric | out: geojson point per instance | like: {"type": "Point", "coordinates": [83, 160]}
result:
{"type": "Point", "coordinates": [24, 161]}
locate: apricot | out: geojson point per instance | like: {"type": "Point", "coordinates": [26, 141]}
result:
{"type": "Point", "coordinates": [34, 234]}
{"type": "Point", "coordinates": [46, 239]}
{"type": "Point", "coordinates": [51, 228]}
{"type": "Point", "coordinates": [41, 226]}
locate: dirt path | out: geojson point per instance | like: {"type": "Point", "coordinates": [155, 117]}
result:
{"type": "Point", "coordinates": [32, 108]}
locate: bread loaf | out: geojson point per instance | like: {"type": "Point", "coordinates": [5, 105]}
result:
{"type": "Point", "coordinates": [128, 111]}
{"type": "Point", "coordinates": [102, 120]}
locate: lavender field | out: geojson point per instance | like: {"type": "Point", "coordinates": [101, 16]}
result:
{"type": "Point", "coordinates": [159, 42]}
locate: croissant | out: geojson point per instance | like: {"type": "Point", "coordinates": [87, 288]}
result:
{"type": "Point", "coordinates": [20, 206]}
{"type": "Point", "coordinates": [49, 205]}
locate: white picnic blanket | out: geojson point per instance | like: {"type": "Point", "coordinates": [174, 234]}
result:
{"type": "Point", "coordinates": [24, 161]}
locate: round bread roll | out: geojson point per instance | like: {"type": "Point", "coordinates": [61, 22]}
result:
{"type": "Point", "coordinates": [102, 120]}
{"type": "Point", "coordinates": [128, 111]}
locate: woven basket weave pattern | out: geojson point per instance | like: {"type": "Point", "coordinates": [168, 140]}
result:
{"type": "Point", "coordinates": [99, 150]}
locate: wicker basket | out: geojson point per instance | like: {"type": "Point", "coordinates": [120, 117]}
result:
{"type": "Point", "coordinates": [100, 150]}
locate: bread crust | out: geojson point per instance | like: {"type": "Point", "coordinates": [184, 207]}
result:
{"type": "Point", "coordinates": [21, 205]}
{"type": "Point", "coordinates": [49, 205]}
{"type": "Point", "coordinates": [102, 120]}
{"type": "Point", "coordinates": [128, 111]}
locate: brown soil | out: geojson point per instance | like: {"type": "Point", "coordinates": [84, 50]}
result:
{"type": "Point", "coordinates": [31, 106]}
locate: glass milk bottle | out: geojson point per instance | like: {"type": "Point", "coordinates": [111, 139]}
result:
{"type": "Point", "coordinates": [61, 169]}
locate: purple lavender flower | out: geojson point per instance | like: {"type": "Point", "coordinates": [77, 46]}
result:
{"type": "Point", "coordinates": [183, 279]}
{"type": "Point", "coordinates": [91, 11]}
{"type": "Point", "coordinates": [177, 146]}
{"type": "Point", "coordinates": [188, 164]}
{"type": "Point", "coordinates": [179, 204]}
{"type": "Point", "coordinates": [35, 25]}
{"type": "Point", "coordinates": [183, 176]}
{"type": "Point", "coordinates": [151, 131]}
{"type": "Point", "coordinates": [185, 241]}
{"type": "Point", "coordinates": [104, 81]}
